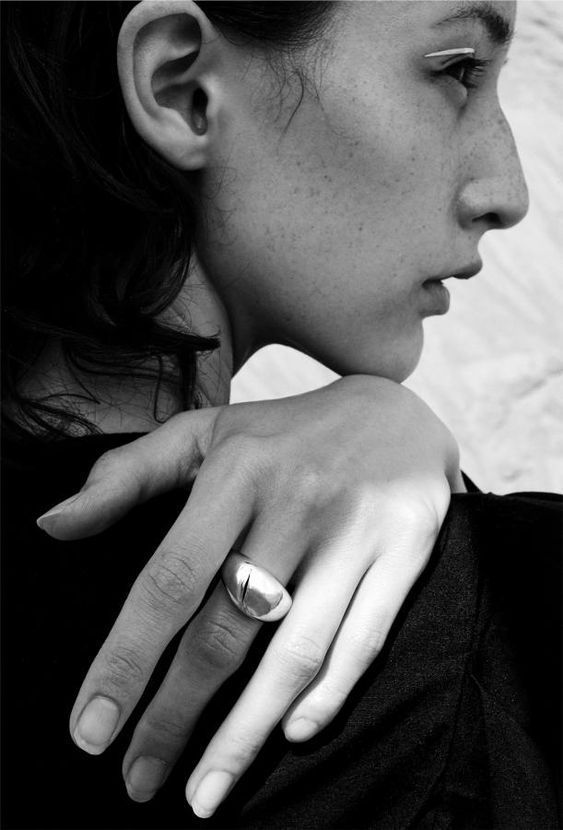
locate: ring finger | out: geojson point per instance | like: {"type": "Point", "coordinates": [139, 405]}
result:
{"type": "Point", "coordinates": [292, 660]}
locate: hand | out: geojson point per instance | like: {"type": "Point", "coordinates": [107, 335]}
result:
{"type": "Point", "coordinates": [347, 485]}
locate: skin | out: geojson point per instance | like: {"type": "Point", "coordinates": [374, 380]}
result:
{"type": "Point", "coordinates": [324, 215]}
{"type": "Point", "coordinates": [321, 225]}
{"type": "Point", "coordinates": [384, 177]}
{"type": "Point", "coordinates": [333, 215]}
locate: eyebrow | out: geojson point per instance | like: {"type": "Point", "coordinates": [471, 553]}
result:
{"type": "Point", "coordinates": [498, 28]}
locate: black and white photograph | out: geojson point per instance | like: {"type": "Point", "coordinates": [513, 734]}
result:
{"type": "Point", "coordinates": [282, 414]}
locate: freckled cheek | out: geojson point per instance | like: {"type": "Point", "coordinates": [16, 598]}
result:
{"type": "Point", "coordinates": [375, 183]}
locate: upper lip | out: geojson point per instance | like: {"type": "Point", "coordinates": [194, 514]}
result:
{"type": "Point", "coordinates": [464, 274]}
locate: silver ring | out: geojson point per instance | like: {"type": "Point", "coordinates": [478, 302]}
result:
{"type": "Point", "coordinates": [254, 590]}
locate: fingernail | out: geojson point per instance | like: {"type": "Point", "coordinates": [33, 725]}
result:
{"type": "Point", "coordinates": [46, 520]}
{"type": "Point", "coordinates": [211, 792]}
{"type": "Point", "coordinates": [145, 777]}
{"type": "Point", "coordinates": [96, 725]}
{"type": "Point", "coordinates": [301, 729]}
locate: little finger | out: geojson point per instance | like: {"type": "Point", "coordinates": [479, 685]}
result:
{"type": "Point", "coordinates": [359, 641]}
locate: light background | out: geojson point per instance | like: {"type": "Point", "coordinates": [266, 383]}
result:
{"type": "Point", "coordinates": [492, 369]}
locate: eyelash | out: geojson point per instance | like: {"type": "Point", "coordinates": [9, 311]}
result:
{"type": "Point", "coordinates": [474, 69]}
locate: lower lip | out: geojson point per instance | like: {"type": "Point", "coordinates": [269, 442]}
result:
{"type": "Point", "coordinates": [438, 297]}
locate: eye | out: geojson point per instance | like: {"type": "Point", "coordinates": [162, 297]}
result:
{"type": "Point", "coordinates": [467, 71]}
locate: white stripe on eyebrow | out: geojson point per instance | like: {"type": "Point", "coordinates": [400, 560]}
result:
{"type": "Point", "coordinates": [446, 53]}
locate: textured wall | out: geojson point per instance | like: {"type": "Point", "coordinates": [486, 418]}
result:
{"type": "Point", "coordinates": [493, 367]}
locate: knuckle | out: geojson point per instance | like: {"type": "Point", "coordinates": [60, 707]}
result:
{"type": "Point", "coordinates": [307, 486]}
{"type": "Point", "coordinates": [366, 506]}
{"type": "Point", "coordinates": [170, 581]}
{"type": "Point", "coordinates": [124, 669]}
{"type": "Point", "coordinates": [239, 447]}
{"type": "Point", "coordinates": [105, 464]}
{"type": "Point", "coordinates": [417, 516]}
{"type": "Point", "coordinates": [244, 746]}
{"type": "Point", "coordinates": [118, 469]}
{"type": "Point", "coordinates": [302, 485]}
{"type": "Point", "coordinates": [165, 727]}
{"type": "Point", "coordinates": [112, 464]}
{"type": "Point", "coordinates": [414, 525]}
{"type": "Point", "coordinates": [303, 657]}
{"type": "Point", "coordinates": [245, 457]}
{"type": "Point", "coordinates": [217, 646]}
{"type": "Point", "coordinates": [324, 702]}
{"type": "Point", "coordinates": [367, 645]}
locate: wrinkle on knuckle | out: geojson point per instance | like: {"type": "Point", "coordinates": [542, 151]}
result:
{"type": "Point", "coordinates": [124, 669]}
{"type": "Point", "coordinates": [161, 726]}
{"type": "Point", "coordinates": [302, 657]}
{"type": "Point", "coordinates": [217, 646]}
{"type": "Point", "coordinates": [170, 581]}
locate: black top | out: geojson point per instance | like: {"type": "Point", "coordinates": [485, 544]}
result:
{"type": "Point", "coordinates": [456, 724]}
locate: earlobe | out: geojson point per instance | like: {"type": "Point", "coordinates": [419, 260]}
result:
{"type": "Point", "coordinates": [166, 55]}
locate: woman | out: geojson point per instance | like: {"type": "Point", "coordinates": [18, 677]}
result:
{"type": "Point", "coordinates": [307, 154]}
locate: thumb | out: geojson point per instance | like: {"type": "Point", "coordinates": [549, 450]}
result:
{"type": "Point", "coordinates": [163, 460]}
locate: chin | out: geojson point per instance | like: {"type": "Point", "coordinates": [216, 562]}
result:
{"type": "Point", "coordinates": [405, 357]}
{"type": "Point", "coordinates": [395, 361]}
{"type": "Point", "coordinates": [406, 366]}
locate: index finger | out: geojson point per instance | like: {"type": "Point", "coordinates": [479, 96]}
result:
{"type": "Point", "coordinates": [132, 474]}
{"type": "Point", "coordinates": [163, 598]}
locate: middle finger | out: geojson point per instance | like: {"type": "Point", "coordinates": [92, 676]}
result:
{"type": "Point", "coordinates": [213, 646]}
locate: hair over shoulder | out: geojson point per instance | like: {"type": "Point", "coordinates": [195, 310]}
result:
{"type": "Point", "coordinates": [98, 228]}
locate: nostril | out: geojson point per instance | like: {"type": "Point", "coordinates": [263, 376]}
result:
{"type": "Point", "coordinates": [492, 205]}
{"type": "Point", "coordinates": [492, 220]}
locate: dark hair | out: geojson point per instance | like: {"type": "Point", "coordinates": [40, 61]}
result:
{"type": "Point", "coordinates": [98, 227]}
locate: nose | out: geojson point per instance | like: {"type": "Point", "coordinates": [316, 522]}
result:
{"type": "Point", "coordinates": [494, 194]}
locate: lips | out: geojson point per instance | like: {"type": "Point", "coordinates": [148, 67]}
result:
{"type": "Point", "coordinates": [465, 274]}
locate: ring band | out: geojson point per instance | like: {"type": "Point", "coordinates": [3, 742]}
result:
{"type": "Point", "coordinates": [254, 590]}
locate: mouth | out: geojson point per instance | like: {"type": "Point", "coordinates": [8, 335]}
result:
{"type": "Point", "coordinates": [437, 296]}
{"type": "Point", "coordinates": [465, 274]}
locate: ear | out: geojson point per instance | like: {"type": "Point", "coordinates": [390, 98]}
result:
{"type": "Point", "coordinates": [168, 57]}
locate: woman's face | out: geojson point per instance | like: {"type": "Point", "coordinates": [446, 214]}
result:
{"type": "Point", "coordinates": [330, 217]}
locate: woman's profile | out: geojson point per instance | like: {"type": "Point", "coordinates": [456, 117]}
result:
{"type": "Point", "coordinates": [188, 182]}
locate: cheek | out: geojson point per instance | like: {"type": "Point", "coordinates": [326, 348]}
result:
{"type": "Point", "coordinates": [323, 229]}
{"type": "Point", "coordinates": [350, 186]}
